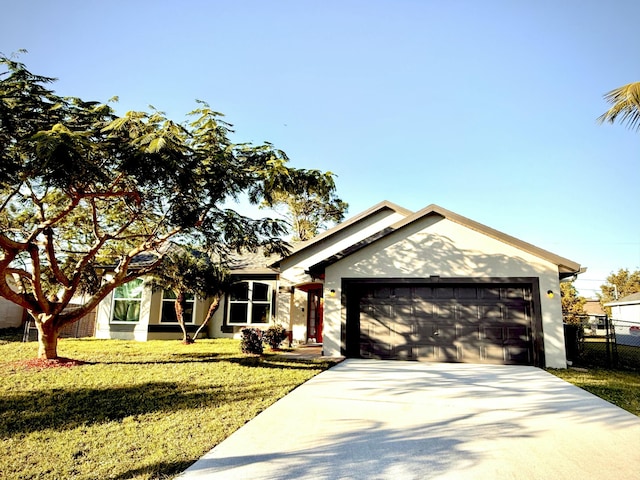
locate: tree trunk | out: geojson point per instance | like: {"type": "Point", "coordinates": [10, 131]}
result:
{"type": "Point", "coordinates": [212, 309]}
{"type": "Point", "coordinates": [179, 307]}
{"type": "Point", "coordinates": [47, 336]}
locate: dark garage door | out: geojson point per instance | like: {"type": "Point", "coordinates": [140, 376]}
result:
{"type": "Point", "coordinates": [446, 323]}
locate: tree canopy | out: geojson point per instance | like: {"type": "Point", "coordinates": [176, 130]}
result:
{"type": "Point", "coordinates": [572, 303]}
{"type": "Point", "coordinates": [619, 285]}
{"type": "Point", "coordinates": [82, 188]}
{"type": "Point", "coordinates": [314, 207]}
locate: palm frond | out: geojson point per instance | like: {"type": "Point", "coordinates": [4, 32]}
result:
{"type": "Point", "coordinates": [625, 106]}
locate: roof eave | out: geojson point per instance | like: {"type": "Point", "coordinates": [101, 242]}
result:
{"type": "Point", "coordinates": [566, 267]}
{"type": "Point", "coordinates": [384, 205]}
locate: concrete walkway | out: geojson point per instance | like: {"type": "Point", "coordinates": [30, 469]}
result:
{"type": "Point", "coordinates": [367, 419]}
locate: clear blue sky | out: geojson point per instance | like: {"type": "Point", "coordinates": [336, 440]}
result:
{"type": "Point", "coordinates": [484, 108]}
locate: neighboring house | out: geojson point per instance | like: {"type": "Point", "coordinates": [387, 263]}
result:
{"type": "Point", "coordinates": [11, 315]}
{"type": "Point", "coordinates": [596, 317]}
{"type": "Point", "coordinates": [625, 315]}
{"type": "Point", "coordinates": [388, 283]}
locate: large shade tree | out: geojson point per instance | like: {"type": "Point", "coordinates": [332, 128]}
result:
{"type": "Point", "coordinates": [81, 188]}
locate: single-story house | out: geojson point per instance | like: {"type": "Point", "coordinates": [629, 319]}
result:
{"type": "Point", "coordinates": [596, 317]}
{"type": "Point", "coordinates": [625, 315]}
{"type": "Point", "coordinates": [11, 315]}
{"type": "Point", "coordinates": [387, 283]}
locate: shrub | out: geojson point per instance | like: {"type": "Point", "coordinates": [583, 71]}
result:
{"type": "Point", "coordinates": [251, 341]}
{"type": "Point", "coordinates": [274, 336]}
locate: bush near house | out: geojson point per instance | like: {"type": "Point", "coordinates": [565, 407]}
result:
{"type": "Point", "coordinates": [274, 336]}
{"type": "Point", "coordinates": [251, 341]}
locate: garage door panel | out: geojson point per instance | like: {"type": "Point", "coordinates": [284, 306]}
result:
{"type": "Point", "coordinates": [375, 341]}
{"type": "Point", "coordinates": [381, 311]}
{"type": "Point", "coordinates": [444, 292]}
{"type": "Point", "coordinates": [403, 352]}
{"type": "Point", "coordinates": [490, 293]}
{"type": "Point", "coordinates": [517, 334]}
{"type": "Point", "coordinates": [422, 293]}
{"type": "Point", "coordinates": [425, 352]}
{"type": "Point", "coordinates": [448, 353]}
{"type": "Point", "coordinates": [517, 314]}
{"type": "Point", "coordinates": [492, 333]}
{"type": "Point", "coordinates": [487, 324]}
{"type": "Point", "coordinates": [425, 331]}
{"type": "Point", "coordinates": [444, 333]}
{"type": "Point", "coordinates": [467, 313]}
{"type": "Point", "coordinates": [490, 313]}
{"type": "Point", "coordinates": [403, 313]}
{"type": "Point", "coordinates": [423, 308]}
{"type": "Point", "coordinates": [468, 333]}
{"type": "Point", "coordinates": [445, 311]}
{"type": "Point", "coordinates": [470, 352]}
{"type": "Point", "coordinates": [463, 293]}
{"type": "Point", "coordinates": [493, 354]}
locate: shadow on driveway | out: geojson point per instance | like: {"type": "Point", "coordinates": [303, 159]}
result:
{"type": "Point", "coordinates": [367, 419]}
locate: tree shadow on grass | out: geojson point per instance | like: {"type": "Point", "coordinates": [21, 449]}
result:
{"type": "Point", "coordinates": [157, 470]}
{"type": "Point", "coordinates": [69, 408]}
{"type": "Point", "coordinates": [281, 362]}
{"type": "Point", "coordinates": [266, 361]}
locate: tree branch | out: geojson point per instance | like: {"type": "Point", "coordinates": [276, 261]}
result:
{"type": "Point", "coordinates": [38, 293]}
{"type": "Point", "coordinates": [9, 197]}
{"type": "Point", "coordinates": [53, 261]}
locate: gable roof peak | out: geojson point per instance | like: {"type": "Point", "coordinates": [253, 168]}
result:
{"type": "Point", "coordinates": [378, 207]}
{"type": "Point", "coordinates": [566, 267]}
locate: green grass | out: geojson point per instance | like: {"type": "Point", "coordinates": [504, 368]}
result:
{"type": "Point", "coordinates": [134, 410]}
{"type": "Point", "coordinates": [622, 388]}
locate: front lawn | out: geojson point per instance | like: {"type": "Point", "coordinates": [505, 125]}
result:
{"type": "Point", "coordinates": [132, 410]}
{"type": "Point", "coordinates": [622, 388]}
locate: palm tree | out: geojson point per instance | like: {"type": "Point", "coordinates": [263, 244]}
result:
{"type": "Point", "coordinates": [191, 272]}
{"type": "Point", "coordinates": [625, 103]}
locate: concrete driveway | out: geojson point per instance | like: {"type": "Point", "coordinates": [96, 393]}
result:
{"type": "Point", "coordinates": [367, 419]}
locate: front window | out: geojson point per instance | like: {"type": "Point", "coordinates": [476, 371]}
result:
{"type": "Point", "coordinates": [249, 303]}
{"type": "Point", "coordinates": [168, 313]}
{"type": "Point", "coordinates": [126, 301]}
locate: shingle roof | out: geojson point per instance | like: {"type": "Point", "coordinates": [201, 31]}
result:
{"type": "Point", "coordinates": [593, 307]}
{"type": "Point", "coordinates": [633, 298]}
{"type": "Point", "coordinates": [384, 205]}
{"type": "Point", "coordinates": [566, 267]}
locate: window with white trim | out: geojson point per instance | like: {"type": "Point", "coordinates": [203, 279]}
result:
{"type": "Point", "coordinates": [168, 311]}
{"type": "Point", "coordinates": [126, 302]}
{"type": "Point", "coordinates": [249, 303]}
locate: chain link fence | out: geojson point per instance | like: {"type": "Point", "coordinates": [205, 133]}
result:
{"type": "Point", "coordinates": [603, 342]}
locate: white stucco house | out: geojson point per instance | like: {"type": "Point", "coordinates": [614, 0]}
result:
{"type": "Point", "coordinates": [387, 283]}
{"type": "Point", "coordinates": [625, 315]}
{"type": "Point", "coordinates": [11, 315]}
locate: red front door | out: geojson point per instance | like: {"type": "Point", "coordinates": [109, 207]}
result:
{"type": "Point", "coordinates": [315, 306]}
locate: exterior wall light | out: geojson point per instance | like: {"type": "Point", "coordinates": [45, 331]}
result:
{"type": "Point", "coordinates": [550, 293]}
{"type": "Point", "coordinates": [332, 293]}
